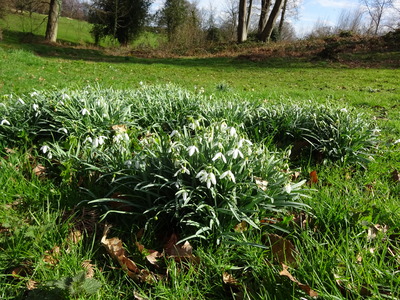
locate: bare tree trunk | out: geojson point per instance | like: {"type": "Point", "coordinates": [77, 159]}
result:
{"type": "Point", "coordinates": [242, 28]}
{"type": "Point", "coordinates": [52, 21]}
{"type": "Point", "coordinates": [266, 34]}
{"type": "Point", "coordinates": [282, 20]}
{"type": "Point", "coordinates": [265, 5]}
{"type": "Point", "coordinates": [249, 15]}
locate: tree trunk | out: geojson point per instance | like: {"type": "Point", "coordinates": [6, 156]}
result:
{"type": "Point", "coordinates": [266, 34]}
{"type": "Point", "coordinates": [52, 21]}
{"type": "Point", "coordinates": [265, 5]}
{"type": "Point", "coordinates": [249, 15]}
{"type": "Point", "coordinates": [282, 20]}
{"type": "Point", "coordinates": [242, 28]}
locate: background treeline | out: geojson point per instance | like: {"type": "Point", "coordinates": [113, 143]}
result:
{"type": "Point", "coordinates": [183, 23]}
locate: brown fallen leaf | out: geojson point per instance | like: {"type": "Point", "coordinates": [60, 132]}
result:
{"type": "Point", "coordinates": [306, 288]}
{"type": "Point", "coordinates": [20, 271]}
{"type": "Point", "coordinates": [241, 227]}
{"type": "Point", "coordinates": [374, 230]}
{"type": "Point", "coordinates": [51, 257]}
{"type": "Point", "coordinates": [31, 285]}
{"type": "Point", "coordinates": [151, 255]}
{"type": "Point", "coordinates": [179, 252]}
{"type": "Point", "coordinates": [228, 279]}
{"type": "Point", "coordinates": [115, 249]}
{"type": "Point", "coordinates": [75, 236]}
{"type": "Point", "coordinates": [39, 170]}
{"type": "Point", "coordinates": [86, 264]}
{"type": "Point", "coordinates": [283, 250]}
{"type": "Point", "coordinates": [313, 177]}
{"type": "Point", "coordinates": [118, 129]}
{"type": "Point", "coordinates": [396, 176]}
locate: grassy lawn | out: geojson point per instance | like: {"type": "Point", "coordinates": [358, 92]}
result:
{"type": "Point", "coordinates": [167, 149]}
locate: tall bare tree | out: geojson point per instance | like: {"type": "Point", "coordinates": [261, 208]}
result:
{"type": "Point", "coordinates": [242, 24]}
{"type": "Point", "coordinates": [376, 10]}
{"type": "Point", "coordinates": [267, 31]}
{"type": "Point", "coordinates": [52, 21]}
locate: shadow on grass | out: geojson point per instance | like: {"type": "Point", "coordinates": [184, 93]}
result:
{"type": "Point", "coordinates": [70, 51]}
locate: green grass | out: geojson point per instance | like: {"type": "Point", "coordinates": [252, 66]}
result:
{"type": "Point", "coordinates": [348, 247]}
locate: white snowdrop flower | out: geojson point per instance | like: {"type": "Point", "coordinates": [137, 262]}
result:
{"type": "Point", "coordinates": [63, 130]}
{"type": "Point", "coordinates": [5, 122]}
{"type": "Point", "coordinates": [128, 163]}
{"type": "Point", "coordinates": [235, 153]}
{"type": "Point", "coordinates": [88, 139]}
{"type": "Point", "coordinates": [202, 175]}
{"type": "Point", "coordinates": [174, 132]}
{"type": "Point", "coordinates": [100, 140]}
{"type": "Point", "coordinates": [183, 193]}
{"type": "Point", "coordinates": [21, 101]}
{"type": "Point", "coordinates": [85, 112]}
{"type": "Point", "coordinates": [288, 188]}
{"type": "Point", "coordinates": [35, 107]}
{"type": "Point", "coordinates": [105, 115]}
{"type": "Point", "coordinates": [33, 94]}
{"type": "Point", "coordinates": [194, 125]}
{"type": "Point", "coordinates": [192, 150]}
{"type": "Point", "coordinates": [229, 175]}
{"type": "Point", "coordinates": [65, 97]}
{"type": "Point", "coordinates": [223, 126]}
{"type": "Point", "coordinates": [182, 170]}
{"type": "Point", "coordinates": [395, 142]}
{"type": "Point", "coordinates": [211, 180]}
{"type": "Point", "coordinates": [45, 149]}
{"type": "Point", "coordinates": [344, 110]}
{"type": "Point", "coordinates": [219, 155]}
{"type": "Point", "coordinates": [376, 131]}
{"type": "Point", "coordinates": [208, 178]}
{"type": "Point", "coordinates": [61, 103]}
{"type": "Point", "coordinates": [242, 141]}
{"type": "Point", "coordinates": [232, 131]}
{"type": "Point", "coordinates": [141, 83]}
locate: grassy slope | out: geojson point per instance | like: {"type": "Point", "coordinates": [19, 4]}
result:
{"type": "Point", "coordinates": [341, 202]}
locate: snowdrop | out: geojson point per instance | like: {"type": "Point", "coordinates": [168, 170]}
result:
{"type": "Point", "coordinates": [65, 97]}
{"type": "Point", "coordinates": [219, 155]}
{"type": "Point", "coordinates": [100, 140]}
{"type": "Point", "coordinates": [35, 107]}
{"type": "Point", "coordinates": [174, 132]}
{"type": "Point", "coordinates": [33, 94]}
{"type": "Point", "coordinates": [64, 130]}
{"type": "Point", "coordinates": [46, 149]}
{"type": "Point", "coordinates": [235, 153]}
{"type": "Point", "coordinates": [21, 101]}
{"type": "Point", "coordinates": [232, 131]}
{"type": "Point", "coordinates": [182, 170]}
{"type": "Point", "coordinates": [85, 112]}
{"type": "Point", "coordinates": [208, 178]}
{"type": "Point", "coordinates": [240, 144]}
{"type": "Point", "coordinates": [192, 150]}
{"type": "Point", "coordinates": [344, 110]}
{"type": "Point", "coordinates": [5, 122]}
{"type": "Point", "coordinates": [121, 137]}
{"type": "Point", "coordinates": [229, 175]}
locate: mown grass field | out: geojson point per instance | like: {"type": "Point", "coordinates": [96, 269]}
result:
{"type": "Point", "coordinates": [344, 244]}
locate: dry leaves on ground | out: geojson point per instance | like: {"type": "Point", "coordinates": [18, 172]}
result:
{"type": "Point", "coordinates": [282, 249]}
{"type": "Point", "coordinates": [306, 288]}
{"type": "Point", "coordinates": [179, 252]}
{"type": "Point", "coordinates": [116, 250]}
